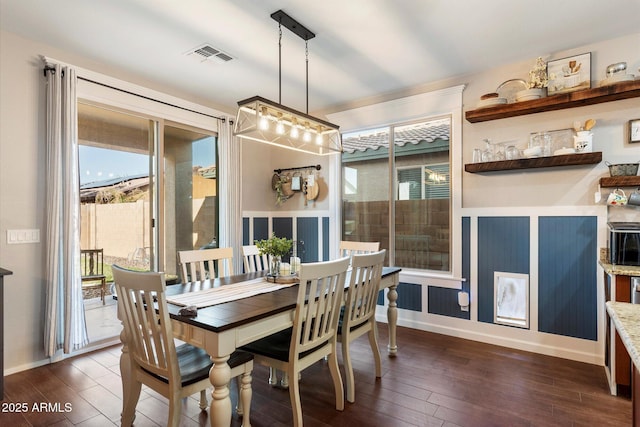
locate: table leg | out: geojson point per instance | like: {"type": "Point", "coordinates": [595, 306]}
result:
{"type": "Point", "coordinates": [220, 375]}
{"type": "Point", "coordinates": [392, 317]}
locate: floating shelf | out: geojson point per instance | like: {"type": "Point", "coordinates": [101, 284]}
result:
{"type": "Point", "coordinates": [533, 163]}
{"type": "Point", "coordinates": [614, 92]}
{"type": "Point", "coordinates": [620, 181]}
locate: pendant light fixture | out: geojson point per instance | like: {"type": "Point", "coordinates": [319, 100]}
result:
{"type": "Point", "coordinates": [271, 122]}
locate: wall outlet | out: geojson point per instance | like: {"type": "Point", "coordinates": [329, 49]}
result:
{"type": "Point", "coordinates": [16, 237]}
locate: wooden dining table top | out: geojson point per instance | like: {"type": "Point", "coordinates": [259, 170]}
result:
{"type": "Point", "coordinates": [229, 315]}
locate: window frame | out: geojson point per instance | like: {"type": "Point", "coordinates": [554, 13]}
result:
{"type": "Point", "coordinates": [439, 103]}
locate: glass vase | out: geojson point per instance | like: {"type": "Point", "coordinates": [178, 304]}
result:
{"type": "Point", "coordinates": [274, 266]}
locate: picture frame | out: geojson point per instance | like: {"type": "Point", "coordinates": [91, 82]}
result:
{"type": "Point", "coordinates": [634, 131]}
{"type": "Point", "coordinates": [511, 299]}
{"type": "Point", "coordinates": [569, 74]}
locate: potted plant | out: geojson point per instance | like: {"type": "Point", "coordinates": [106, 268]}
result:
{"type": "Point", "coordinates": [275, 248]}
{"type": "Point", "coordinates": [538, 81]}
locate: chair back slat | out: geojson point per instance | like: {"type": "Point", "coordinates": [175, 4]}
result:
{"type": "Point", "coordinates": [253, 261]}
{"type": "Point", "coordinates": [198, 265]}
{"type": "Point", "coordinates": [143, 308]}
{"type": "Point", "coordinates": [364, 285]}
{"type": "Point", "coordinates": [350, 248]}
{"type": "Point", "coordinates": [320, 297]}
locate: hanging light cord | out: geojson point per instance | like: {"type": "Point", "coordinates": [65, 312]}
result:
{"type": "Point", "coordinates": [279, 62]}
{"type": "Point", "coordinates": [306, 54]}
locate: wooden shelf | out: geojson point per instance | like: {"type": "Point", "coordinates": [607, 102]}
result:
{"type": "Point", "coordinates": [615, 92]}
{"type": "Point", "coordinates": [620, 181]}
{"type": "Point", "coordinates": [538, 162]}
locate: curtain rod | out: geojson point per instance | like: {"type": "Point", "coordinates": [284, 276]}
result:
{"type": "Point", "coordinates": [223, 119]}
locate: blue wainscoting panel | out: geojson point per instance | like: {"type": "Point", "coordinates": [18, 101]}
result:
{"type": "Point", "coordinates": [245, 231]}
{"type": "Point", "coordinates": [260, 228]}
{"type": "Point", "coordinates": [567, 284]}
{"type": "Point", "coordinates": [283, 227]}
{"type": "Point", "coordinates": [325, 238]}
{"type": "Point", "coordinates": [409, 296]}
{"type": "Point", "coordinates": [308, 233]}
{"type": "Point", "coordinates": [503, 245]}
{"type": "Point", "coordinates": [444, 301]}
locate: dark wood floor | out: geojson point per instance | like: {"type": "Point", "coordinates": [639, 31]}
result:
{"type": "Point", "coordinates": [434, 381]}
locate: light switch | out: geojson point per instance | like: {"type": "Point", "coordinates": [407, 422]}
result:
{"type": "Point", "coordinates": [15, 237]}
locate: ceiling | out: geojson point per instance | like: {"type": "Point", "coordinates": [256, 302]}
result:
{"type": "Point", "coordinates": [362, 48]}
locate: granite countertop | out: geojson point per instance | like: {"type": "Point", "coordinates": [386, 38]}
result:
{"type": "Point", "coordinates": [626, 318]}
{"type": "Point", "coordinates": [622, 270]}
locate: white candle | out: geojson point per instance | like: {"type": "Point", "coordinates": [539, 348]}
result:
{"type": "Point", "coordinates": [285, 269]}
{"type": "Point", "coordinates": [295, 264]}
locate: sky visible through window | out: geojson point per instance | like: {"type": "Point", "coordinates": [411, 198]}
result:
{"type": "Point", "coordinates": [100, 164]}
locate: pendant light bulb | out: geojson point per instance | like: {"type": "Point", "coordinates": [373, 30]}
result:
{"type": "Point", "coordinates": [319, 136]}
{"type": "Point", "coordinates": [306, 136]}
{"type": "Point", "coordinates": [295, 132]}
{"type": "Point", "coordinates": [280, 125]}
{"type": "Point", "coordinates": [264, 120]}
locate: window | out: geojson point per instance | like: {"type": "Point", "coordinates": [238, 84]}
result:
{"type": "Point", "coordinates": [411, 212]}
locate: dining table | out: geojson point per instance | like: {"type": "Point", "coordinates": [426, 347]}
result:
{"type": "Point", "coordinates": [230, 323]}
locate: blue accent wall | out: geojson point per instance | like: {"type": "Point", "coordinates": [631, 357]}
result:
{"type": "Point", "coordinates": [444, 301]}
{"type": "Point", "coordinates": [325, 238]}
{"type": "Point", "coordinates": [503, 245]}
{"type": "Point", "coordinates": [260, 228]}
{"type": "Point", "coordinates": [245, 231]}
{"type": "Point", "coordinates": [567, 276]}
{"type": "Point", "coordinates": [409, 296]}
{"type": "Point", "coordinates": [308, 237]}
{"type": "Point", "coordinates": [283, 227]}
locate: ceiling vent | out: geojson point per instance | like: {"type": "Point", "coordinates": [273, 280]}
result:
{"type": "Point", "coordinates": [208, 53]}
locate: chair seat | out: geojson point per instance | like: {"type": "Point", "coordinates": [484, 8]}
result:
{"type": "Point", "coordinates": [94, 277]}
{"type": "Point", "coordinates": [195, 363]}
{"type": "Point", "coordinates": [276, 346]}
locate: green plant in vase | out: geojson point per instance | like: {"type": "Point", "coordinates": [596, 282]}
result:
{"type": "Point", "coordinates": [275, 248]}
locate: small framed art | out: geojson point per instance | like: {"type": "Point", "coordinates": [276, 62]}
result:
{"type": "Point", "coordinates": [634, 130]}
{"type": "Point", "coordinates": [569, 74]}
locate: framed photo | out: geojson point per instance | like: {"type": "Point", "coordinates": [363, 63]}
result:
{"type": "Point", "coordinates": [569, 74]}
{"type": "Point", "coordinates": [511, 299]}
{"type": "Point", "coordinates": [634, 130]}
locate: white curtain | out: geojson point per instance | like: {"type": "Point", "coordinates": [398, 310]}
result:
{"type": "Point", "coordinates": [230, 192]}
{"type": "Point", "coordinates": [65, 326]}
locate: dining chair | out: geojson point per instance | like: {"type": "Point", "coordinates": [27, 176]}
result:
{"type": "Point", "coordinates": [253, 261]}
{"type": "Point", "coordinates": [92, 271]}
{"type": "Point", "coordinates": [313, 335]}
{"type": "Point", "coordinates": [358, 317]}
{"type": "Point", "coordinates": [174, 372]}
{"type": "Point", "coordinates": [203, 264]}
{"type": "Point", "coordinates": [349, 248]}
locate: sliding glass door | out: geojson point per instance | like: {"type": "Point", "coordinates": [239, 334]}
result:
{"type": "Point", "coordinates": [141, 212]}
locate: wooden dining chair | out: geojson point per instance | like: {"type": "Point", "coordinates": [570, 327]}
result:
{"type": "Point", "coordinates": [174, 372]}
{"type": "Point", "coordinates": [203, 264]}
{"type": "Point", "coordinates": [358, 316]}
{"type": "Point", "coordinates": [313, 335]}
{"type": "Point", "coordinates": [92, 271]}
{"type": "Point", "coordinates": [350, 248]}
{"type": "Point", "coordinates": [252, 259]}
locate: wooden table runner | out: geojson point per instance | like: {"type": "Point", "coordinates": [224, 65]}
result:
{"type": "Point", "coordinates": [226, 293]}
